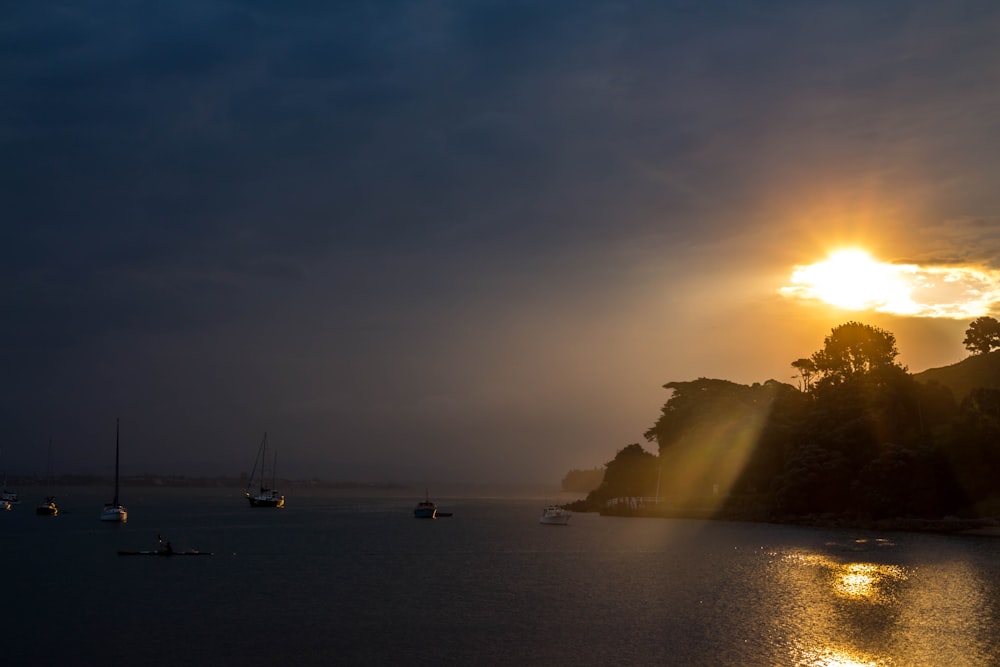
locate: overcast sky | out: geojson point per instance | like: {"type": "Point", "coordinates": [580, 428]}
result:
{"type": "Point", "coordinates": [457, 241]}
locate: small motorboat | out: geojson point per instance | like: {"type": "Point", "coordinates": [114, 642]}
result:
{"type": "Point", "coordinates": [48, 507]}
{"type": "Point", "coordinates": [553, 515]}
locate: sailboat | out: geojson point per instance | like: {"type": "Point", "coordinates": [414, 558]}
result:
{"type": "Point", "coordinates": [264, 497]}
{"type": "Point", "coordinates": [115, 511]}
{"type": "Point", "coordinates": [48, 507]}
{"type": "Point", "coordinates": [8, 497]}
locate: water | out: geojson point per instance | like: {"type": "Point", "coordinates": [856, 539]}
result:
{"type": "Point", "coordinates": [343, 580]}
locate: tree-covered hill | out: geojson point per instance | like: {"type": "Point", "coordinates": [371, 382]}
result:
{"type": "Point", "coordinates": [859, 438]}
{"type": "Point", "coordinates": [975, 372]}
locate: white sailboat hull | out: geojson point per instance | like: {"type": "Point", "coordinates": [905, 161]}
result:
{"type": "Point", "coordinates": [112, 513]}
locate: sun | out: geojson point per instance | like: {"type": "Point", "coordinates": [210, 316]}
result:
{"type": "Point", "coordinates": [852, 280]}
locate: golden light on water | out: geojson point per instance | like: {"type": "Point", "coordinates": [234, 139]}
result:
{"type": "Point", "coordinates": [830, 658]}
{"type": "Point", "coordinates": [851, 279]}
{"type": "Point", "coordinates": [866, 581]}
{"type": "Point", "coordinates": [838, 591]}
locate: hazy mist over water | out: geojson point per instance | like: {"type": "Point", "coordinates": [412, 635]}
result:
{"type": "Point", "coordinates": [341, 579]}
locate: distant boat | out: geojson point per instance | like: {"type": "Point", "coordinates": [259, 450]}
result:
{"type": "Point", "coordinates": [190, 552]}
{"type": "Point", "coordinates": [264, 497]}
{"type": "Point", "coordinates": [553, 515]}
{"type": "Point", "coordinates": [48, 507]}
{"type": "Point", "coordinates": [425, 509]}
{"type": "Point", "coordinates": [165, 549]}
{"type": "Point", "coordinates": [115, 511]}
{"type": "Point", "coordinates": [8, 497]}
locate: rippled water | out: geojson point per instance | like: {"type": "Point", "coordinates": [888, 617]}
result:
{"type": "Point", "coordinates": [358, 581]}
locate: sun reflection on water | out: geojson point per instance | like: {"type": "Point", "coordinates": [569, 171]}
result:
{"type": "Point", "coordinates": [831, 658]}
{"type": "Point", "coordinates": [845, 606]}
{"type": "Point", "coordinates": [866, 581]}
{"type": "Point", "coordinates": [856, 580]}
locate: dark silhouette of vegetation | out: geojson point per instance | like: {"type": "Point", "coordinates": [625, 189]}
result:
{"type": "Point", "coordinates": [982, 336]}
{"type": "Point", "coordinates": [977, 371]}
{"type": "Point", "coordinates": [807, 371]}
{"type": "Point", "coordinates": [860, 439]}
{"type": "Point", "coordinates": [853, 350]}
{"type": "Point", "coordinates": [582, 481]}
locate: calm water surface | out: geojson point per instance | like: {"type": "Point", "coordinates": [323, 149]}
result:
{"type": "Point", "coordinates": [357, 581]}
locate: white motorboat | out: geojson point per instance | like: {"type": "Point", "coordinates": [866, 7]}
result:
{"type": "Point", "coordinates": [553, 515]}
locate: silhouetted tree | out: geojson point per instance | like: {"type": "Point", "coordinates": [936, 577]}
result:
{"type": "Point", "coordinates": [806, 369]}
{"type": "Point", "coordinates": [632, 473]}
{"type": "Point", "coordinates": [982, 336]}
{"type": "Point", "coordinates": [853, 349]}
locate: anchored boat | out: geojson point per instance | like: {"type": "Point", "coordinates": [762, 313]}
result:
{"type": "Point", "coordinates": [553, 515]}
{"type": "Point", "coordinates": [425, 509]}
{"type": "Point", "coordinates": [264, 496]}
{"type": "Point", "coordinates": [115, 511]}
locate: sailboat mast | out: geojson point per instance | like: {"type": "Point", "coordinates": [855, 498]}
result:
{"type": "Point", "coordinates": [263, 461]}
{"type": "Point", "coordinates": [48, 465]}
{"type": "Point", "coordinates": [115, 501]}
{"type": "Point", "coordinates": [274, 470]}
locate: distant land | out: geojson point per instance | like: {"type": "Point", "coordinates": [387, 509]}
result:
{"type": "Point", "coordinates": [185, 481]}
{"type": "Point", "coordinates": [979, 371]}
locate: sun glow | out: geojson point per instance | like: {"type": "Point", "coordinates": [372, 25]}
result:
{"type": "Point", "coordinates": [852, 280]}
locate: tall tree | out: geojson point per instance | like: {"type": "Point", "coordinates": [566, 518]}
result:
{"type": "Point", "coordinates": [852, 350]}
{"type": "Point", "coordinates": [982, 336]}
{"type": "Point", "coordinates": [806, 369]}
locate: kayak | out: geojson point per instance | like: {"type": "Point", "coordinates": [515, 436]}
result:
{"type": "Point", "coordinates": [192, 552]}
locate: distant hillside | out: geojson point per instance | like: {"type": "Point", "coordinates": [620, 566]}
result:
{"type": "Point", "coordinates": [978, 371]}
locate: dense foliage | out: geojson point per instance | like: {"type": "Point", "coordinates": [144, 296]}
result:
{"type": "Point", "coordinates": [859, 437]}
{"type": "Point", "coordinates": [982, 336]}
